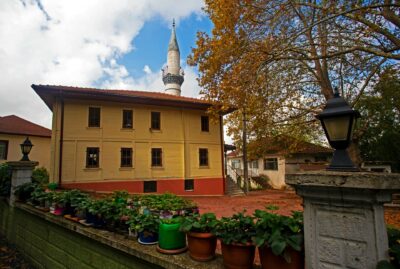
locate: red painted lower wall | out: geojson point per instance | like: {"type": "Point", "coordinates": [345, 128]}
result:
{"type": "Point", "coordinates": [203, 186]}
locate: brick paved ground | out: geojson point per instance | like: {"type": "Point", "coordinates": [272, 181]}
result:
{"type": "Point", "coordinates": [286, 200]}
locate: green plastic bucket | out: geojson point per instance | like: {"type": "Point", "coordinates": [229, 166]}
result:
{"type": "Point", "coordinates": [170, 237]}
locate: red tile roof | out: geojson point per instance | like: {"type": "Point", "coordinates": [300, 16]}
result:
{"type": "Point", "coordinates": [50, 92]}
{"type": "Point", "coordinates": [15, 125]}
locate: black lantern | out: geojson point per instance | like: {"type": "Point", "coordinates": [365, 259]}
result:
{"type": "Point", "coordinates": [26, 148]}
{"type": "Point", "coordinates": [338, 120]}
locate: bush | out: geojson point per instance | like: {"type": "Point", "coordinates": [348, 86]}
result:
{"type": "Point", "coordinates": [40, 176]}
{"type": "Point", "coordinates": [5, 180]}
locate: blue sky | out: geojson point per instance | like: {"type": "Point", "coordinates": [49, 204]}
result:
{"type": "Point", "coordinates": [150, 46]}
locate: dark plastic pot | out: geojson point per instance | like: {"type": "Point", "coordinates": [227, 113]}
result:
{"type": "Point", "coordinates": [238, 256]}
{"type": "Point", "coordinates": [170, 237]}
{"type": "Point", "coordinates": [147, 238]}
{"type": "Point", "coordinates": [270, 261]}
{"type": "Point", "coordinates": [201, 246]}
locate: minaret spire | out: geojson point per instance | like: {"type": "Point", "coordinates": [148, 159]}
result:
{"type": "Point", "coordinates": [172, 73]}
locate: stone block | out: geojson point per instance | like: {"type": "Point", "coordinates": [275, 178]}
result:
{"type": "Point", "coordinates": [56, 253]}
{"type": "Point", "coordinates": [52, 264]}
{"type": "Point", "coordinates": [75, 263]}
{"type": "Point", "coordinates": [330, 250]}
{"type": "Point", "coordinates": [355, 255]}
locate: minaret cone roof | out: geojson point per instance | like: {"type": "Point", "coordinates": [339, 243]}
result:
{"type": "Point", "coordinates": [173, 43]}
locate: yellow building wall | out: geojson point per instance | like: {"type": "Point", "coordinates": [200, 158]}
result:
{"type": "Point", "coordinates": [40, 151]}
{"type": "Point", "coordinates": [180, 138]}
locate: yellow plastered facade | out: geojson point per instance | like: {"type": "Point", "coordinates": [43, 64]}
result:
{"type": "Point", "coordinates": [40, 151]}
{"type": "Point", "coordinates": [180, 138]}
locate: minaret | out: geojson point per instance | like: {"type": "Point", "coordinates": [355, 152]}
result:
{"type": "Point", "coordinates": [173, 73]}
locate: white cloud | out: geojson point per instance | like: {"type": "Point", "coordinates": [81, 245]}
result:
{"type": "Point", "coordinates": [147, 69]}
{"type": "Point", "coordinates": [74, 42]}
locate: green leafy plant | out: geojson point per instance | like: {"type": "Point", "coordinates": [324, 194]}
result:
{"type": "Point", "coordinates": [204, 223]}
{"type": "Point", "coordinates": [5, 180]}
{"type": "Point", "coordinates": [23, 191]}
{"type": "Point", "coordinates": [52, 186]}
{"type": "Point", "coordinates": [144, 222]}
{"type": "Point", "coordinates": [173, 220]}
{"type": "Point", "coordinates": [394, 246]}
{"type": "Point", "coordinates": [40, 175]}
{"type": "Point", "coordinates": [278, 232]}
{"type": "Point", "coordinates": [39, 196]}
{"type": "Point", "coordinates": [236, 229]}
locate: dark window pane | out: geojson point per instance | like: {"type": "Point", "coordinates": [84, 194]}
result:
{"type": "Point", "coordinates": [94, 117]}
{"type": "Point", "coordinates": [204, 124]}
{"type": "Point", "coordinates": [127, 119]}
{"type": "Point", "coordinates": [126, 157]}
{"type": "Point", "coordinates": [3, 149]}
{"type": "Point", "coordinates": [189, 184]}
{"type": "Point", "coordinates": [150, 186]}
{"type": "Point", "coordinates": [156, 157]}
{"type": "Point", "coordinates": [271, 164]}
{"type": "Point", "coordinates": [203, 157]}
{"type": "Point", "coordinates": [92, 157]}
{"type": "Point", "coordinates": [155, 121]}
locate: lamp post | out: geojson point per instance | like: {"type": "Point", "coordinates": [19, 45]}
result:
{"type": "Point", "coordinates": [26, 149]}
{"type": "Point", "coordinates": [338, 121]}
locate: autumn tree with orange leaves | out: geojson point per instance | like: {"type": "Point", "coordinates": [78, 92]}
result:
{"type": "Point", "coordinates": [279, 60]}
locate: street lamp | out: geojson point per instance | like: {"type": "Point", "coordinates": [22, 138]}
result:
{"type": "Point", "coordinates": [338, 120]}
{"type": "Point", "coordinates": [26, 148]}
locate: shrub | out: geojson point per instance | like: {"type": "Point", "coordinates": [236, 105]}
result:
{"type": "Point", "coordinates": [40, 176]}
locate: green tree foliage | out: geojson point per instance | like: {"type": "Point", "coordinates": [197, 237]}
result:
{"type": "Point", "coordinates": [279, 60]}
{"type": "Point", "coordinates": [380, 122]}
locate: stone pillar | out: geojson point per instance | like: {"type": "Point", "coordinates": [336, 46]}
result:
{"type": "Point", "coordinates": [344, 224]}
{"type": "Point", "coordinates": [21, 173]}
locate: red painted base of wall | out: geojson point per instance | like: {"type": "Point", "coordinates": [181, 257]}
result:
{"type": "Point", "coordinates": [203, 186]}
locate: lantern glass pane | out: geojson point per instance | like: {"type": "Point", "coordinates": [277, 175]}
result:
{"type": "Point", "coordinates": [337, 127]}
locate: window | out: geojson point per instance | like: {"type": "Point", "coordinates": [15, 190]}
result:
{"type": "Point", "coordinates": [155, 121]}
{"type": "Point", "coordinates": [3, 149]}
{"type": "Point", "coordinates": [127, 119]}
{"type": "Point", "coordinates": [235, 164]}
{"type": "Point", "coordinates": [253, 164]}
{"type": "Point", "coordinates": [156, 157]}
{"type": "Point", "coordinates": [150, 186]}
{"type": "Point", "coordinates": [126, 157]}
{"type": "Point", "coordinates": [271, 164]}
{"type": "Point", "coordinates": [92, 157]}
{"type": "Point", "coordinates": [94, 116]}
{"type": "Point", "coordinates": [204, 124]}
{"type": "Point", "coordinates": [203, 157]}
{"type": "Point", "coordinates": [189, 184]}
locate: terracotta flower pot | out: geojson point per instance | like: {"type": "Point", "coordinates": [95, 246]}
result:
{"type": "Point", "coordinates": [201, 246]}
{"type": "Point", "coordinates": [270, 261]}
{"type": "Point", "coordinates": [238, 256]}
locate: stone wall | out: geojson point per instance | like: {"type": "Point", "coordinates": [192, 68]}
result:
{"type": "Point", "coordinates": [49, 241]}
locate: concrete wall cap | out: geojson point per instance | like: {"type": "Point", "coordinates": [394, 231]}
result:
{"type": "Point", "coordinates": [355, 180]}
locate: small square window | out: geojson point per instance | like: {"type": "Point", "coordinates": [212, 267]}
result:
{"type": "Point", "coordinates": [126, 157]}
{"type": "Point", "coordinates": [3, 149]}
{"type": "Point", "coordinates": [92, 157]}
{"type": "Point", "coordinates": [156, 157]}
{"type": "Point", "coordinates": [150, 186]}
{"type": "Point", "coordinates": [155, 120]}
{"type": "Point", "coordinates": [127, 119]}
{"type": "Point", "coordinates": [94, 117]}
{"type": "Point", "coordinates": [189, 184]}
{"type": "Point", "coordinates": [271, 164]}
{"type": "Point", "coordinates": [205, 124]}
{"type": "Point", "coordinates": [203, 157]}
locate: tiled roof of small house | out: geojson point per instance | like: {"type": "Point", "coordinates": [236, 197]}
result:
{"type": "Point", "coordinates": [15, 125]}
{"type": "Point", "coordinates": [49, 92]}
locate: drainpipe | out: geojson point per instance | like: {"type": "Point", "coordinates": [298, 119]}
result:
{"type": "Point", "coordinates": [61, 141]}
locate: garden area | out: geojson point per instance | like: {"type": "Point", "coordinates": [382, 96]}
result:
{"type": "Point", "coordinates": [264, 227]}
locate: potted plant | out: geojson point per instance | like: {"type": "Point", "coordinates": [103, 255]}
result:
{"type": "Point", "coordinates": [24, 191]}
{"type": "Point", "coordinates": [171, 239]}
{"type": "Point", "coordinates": [279, 240]}
{"type": "Point", "coordinates": [201, 242]}
{"type": "Point", "coordinates": [146, 226]}
{"type": "Point", "coordinates": [236, 234]}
